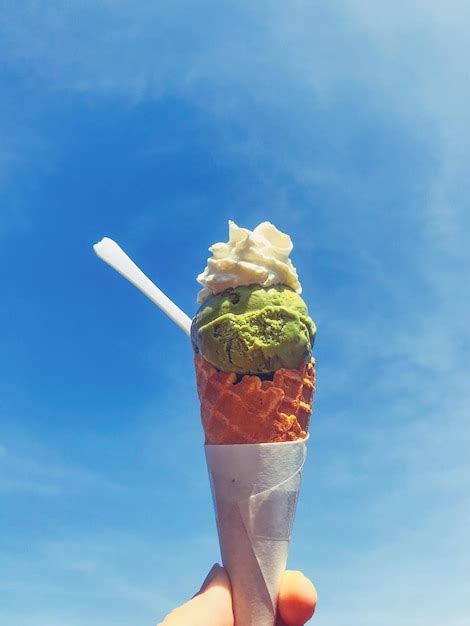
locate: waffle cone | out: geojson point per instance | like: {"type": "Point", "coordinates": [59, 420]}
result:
{"type": "Point", "coordinates": [254, 410]}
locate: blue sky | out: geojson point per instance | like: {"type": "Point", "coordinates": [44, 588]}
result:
{"type": "Point", "coordinates": [347, 125]}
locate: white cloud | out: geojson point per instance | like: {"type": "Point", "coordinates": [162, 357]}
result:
{"type": "Point", "coordinates": [22, 473]}
{"type": "Point", "coordinates": [105, 577]}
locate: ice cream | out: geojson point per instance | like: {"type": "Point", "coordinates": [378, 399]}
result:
{"type": "Point", "coordinates": [253, 339]}
{"type": "Point", "coordinates": [258, 257]}
{"type": "Point", "coordinates": [254, 329]}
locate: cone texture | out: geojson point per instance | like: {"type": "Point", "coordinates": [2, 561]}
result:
{"type": "Point", "coordinates": [254, 410]}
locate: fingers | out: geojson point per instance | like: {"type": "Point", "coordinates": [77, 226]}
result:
{"type": "Point", "coordinates": [215, 572]}
{"type": "Point", "coordinates": [297, 599]}
{"type": "Point", "coordinates": [211, 605]}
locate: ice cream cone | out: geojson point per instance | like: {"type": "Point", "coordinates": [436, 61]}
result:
{"type": "Point", "coordinates": [255, 489]}
{"type": "Point", "coordinates": [253, 339]}
{"type": "Point", "coordinates": [256, 437]}
{"type": "Point", "coordinates": [252, 410]}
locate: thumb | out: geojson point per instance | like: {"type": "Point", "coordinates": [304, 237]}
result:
{"type": "Point", "coordinates": [213, 603]}
{"type": "Point", "coordinates": [217, 578]}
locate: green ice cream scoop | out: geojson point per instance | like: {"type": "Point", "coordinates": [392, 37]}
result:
{"type": "Point", "coordinates": [254, 329]}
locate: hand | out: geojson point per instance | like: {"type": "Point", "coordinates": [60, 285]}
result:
{"type": "Point", "coordinates": [212, 605]}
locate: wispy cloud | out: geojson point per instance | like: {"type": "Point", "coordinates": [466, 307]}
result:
{"type": "Point", "coordinates": [83, 577]}
{"type": "Point", "coordinates": [25, 474]}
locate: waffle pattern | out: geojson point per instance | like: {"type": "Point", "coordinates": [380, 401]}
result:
{"type": "Point", "coordinates": [255, 410]}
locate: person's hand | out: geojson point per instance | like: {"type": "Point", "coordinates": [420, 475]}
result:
{"type": "Point", "coordinates": [212, 605]}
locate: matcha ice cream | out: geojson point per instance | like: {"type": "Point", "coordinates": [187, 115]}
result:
{"type": "Point", "coordinates": [254, 329]}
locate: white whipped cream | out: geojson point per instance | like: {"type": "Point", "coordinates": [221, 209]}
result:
{"type": "Point", "coordinates": [260, 256]}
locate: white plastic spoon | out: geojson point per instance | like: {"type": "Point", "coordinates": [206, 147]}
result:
{"type": "Point", "coordinates": [109, 252]}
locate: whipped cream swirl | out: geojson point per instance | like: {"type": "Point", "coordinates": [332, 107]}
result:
{"type": "Point", "coordinates": [249, 257]}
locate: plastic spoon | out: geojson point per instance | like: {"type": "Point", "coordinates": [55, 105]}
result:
{"type": "Point", "coordinates": [109, 252]}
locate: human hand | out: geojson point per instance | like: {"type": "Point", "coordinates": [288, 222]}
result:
{"type": "Point", "coordinates": [212, 605]}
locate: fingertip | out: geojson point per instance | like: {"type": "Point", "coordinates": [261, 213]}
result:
{"type": "Point", "coordinates": [215, 572]}
{"type": "Point", "coordinates": [217, 582]}
{"type": "Point", "coordinates": [297, 598]}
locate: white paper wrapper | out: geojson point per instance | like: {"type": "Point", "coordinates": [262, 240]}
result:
{"type": "Point", "coordinates": [255, 489]}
